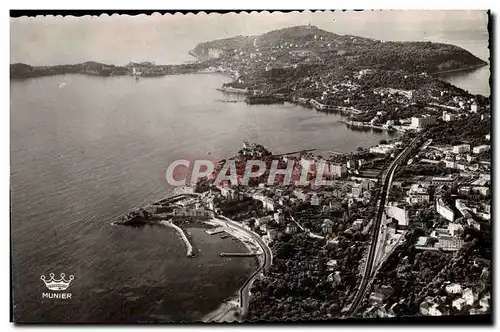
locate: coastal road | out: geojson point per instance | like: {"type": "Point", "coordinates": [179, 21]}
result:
{"type": "Point", "coordinates": [386, 184]}
{"type": "Point", "coordinates": [267, 260]}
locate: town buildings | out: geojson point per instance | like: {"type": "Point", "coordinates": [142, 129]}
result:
{"type": "Point", "coordinates": [422, 122]}
{"type": "Point", "coordinates": [337, 170]}
{"type": "Point", "coordinates": [462, 148]}
{"type": "Point", "coordinates": [481, 148]}
{"type": "Point", "coordinates": [448, 116]}
{"type": "Point", "coordinates": [444, 210]}
{"type": "Point", "coordinates": [327, 226]}
{"type": "Point", "coordinates": [417, 194]}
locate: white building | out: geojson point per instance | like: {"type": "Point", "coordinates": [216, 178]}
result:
{"type": "Point", "coordinates": [267, 203]}
{"type": "Point", "coordinates": [485, 302]}
{"type": "Point", "coordinates": [455, 229]}
{"type": "Point", "coordinates": [400, 214]}
{"type": "Point", "coordinates": [434, 310]}
{"type": "Point", "coordinates": [449, 243]}
{"type": "Point", "coordinates": [228, 193]}
{"type": "Point", "coordinates": [448, 117]}
{"type": "Point", "coordinates": [430, 308]}
{"type": "Point", "coordinates": [356, 190]}
{"type": "Point", "coordinates": [337, 170]}
{"type": "Point", "coordinates": [483, 190]}
{"type": "Point", "coordinates": [367, 184]}
{"type": "Point", "coordinates": [382, 148]}
{"type": "Point", "coordinates": [306, 162]}
{"type": "Point", "coordinates": [458, 304]}
{"type": "Point", "coordinates": [331, 265]}
{"type": "Point", "coordinates": [300, 194]}
{"type": "Point", "coordinates": [444, 210]}
{"type": "Point", "coordinates": [474, 224]}
{"type": "Point", "coordinates": [315, 200]}
{"type": "Point", "coordinates": [291, 228]}
{"type": "Point", "coordinates": [473, 108]}
{"type": "Point", "coordinates": [481, 148]}
{"type": "Point", "coordinates": [449, 163]}
{"type": "Point", "coordinates": [454, 289]}
{"type": "Point", "coordinates": [357, 224]}
{"type": "Point", "coordinates": [192, 213]}
{"type": "Point", "coordinates": [279, 217]}
{"type": "Point", "coordinates": [327, 226]}
{"type": "Point", "coordinates": [444, 180]}
{"type": "Point", "coordinates": [422, 122]}
{"type": "Point", "coordinates": [461, 148]}
{"type": "Point", "coordinates": [421, 241]}
{"type": "Point", "coordinates": [469, 296]}
{"type": "Point", "coordinates": [417, 194]}
{"type": "Point", "coordinates": [351, 164]}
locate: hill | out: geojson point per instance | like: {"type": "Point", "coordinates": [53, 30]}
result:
{"type": "Point", "coordinates": [309, 44]}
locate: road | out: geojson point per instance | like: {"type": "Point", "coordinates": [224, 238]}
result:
{"type": "Point", "coordinates": [386, 182]}
{"type": "Point", "coordinates": [267, 260]}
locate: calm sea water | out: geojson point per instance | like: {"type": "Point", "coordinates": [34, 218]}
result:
{"type": "Point", "coordinates": [85, 152]}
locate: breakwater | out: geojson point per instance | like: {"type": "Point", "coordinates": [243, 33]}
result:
{"type": "Point", "coordinates": [189, 247]}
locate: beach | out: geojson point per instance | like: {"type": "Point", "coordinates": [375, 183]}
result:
{"type": "Point", "coordinates": [230, 310]}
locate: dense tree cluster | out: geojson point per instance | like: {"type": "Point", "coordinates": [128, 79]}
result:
{"type": "Point", "coordinates": [409, 171]}
{"type": "Point", "coordinates": [297, 285]}
{"type": "Point", "coordinates": [471, 130]}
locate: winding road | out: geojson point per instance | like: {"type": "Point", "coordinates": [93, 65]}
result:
{"type": "Point", "coordinates": [267, 260]}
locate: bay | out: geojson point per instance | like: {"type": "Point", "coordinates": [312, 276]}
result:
{"type": "Point", "coordinates": [87, 151]}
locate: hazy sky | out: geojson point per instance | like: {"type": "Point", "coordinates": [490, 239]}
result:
{"type": "Point", "coordinates": [168, 38]}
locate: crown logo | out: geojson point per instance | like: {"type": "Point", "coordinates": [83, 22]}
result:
{"type": "Point", "coordinates": [60, 284]}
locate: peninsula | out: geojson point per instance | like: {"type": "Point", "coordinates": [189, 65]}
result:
{"type": "Point", "coordinates": [144, 69]}
{"type": "Point", "coordinates": [299, 46]}
{"type": "Point", "coordinates": [373, 82]}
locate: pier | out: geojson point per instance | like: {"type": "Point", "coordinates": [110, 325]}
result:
{"type": "Point", "coordinates": [237, 254]}
{"type": "Point", "coordinates": [183, 236]}
{"type": "Point", "coordinates": [215, 230]}
{"type": "Point", "coordinates": [293, 152]}
{"type": "Point", "coordinates": [360, 124]}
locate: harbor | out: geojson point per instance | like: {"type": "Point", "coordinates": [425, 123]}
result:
{"type": "Point", "coordinates": [360, 124]}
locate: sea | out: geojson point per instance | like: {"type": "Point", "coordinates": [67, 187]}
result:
{"type": "Point", "coordinates": [85, 150]}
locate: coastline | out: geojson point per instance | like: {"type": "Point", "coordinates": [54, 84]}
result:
{"type": "Point", "coordinates": [226, 312]}
{"type": "Point", "coordinates": [230, 309]}
{"type": "Point", "coordinates": [459, 69]}
{"type": "Point", "coordinates": [182, 235]}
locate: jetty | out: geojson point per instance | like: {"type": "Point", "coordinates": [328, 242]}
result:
{"type": "Point", "coordinates": [215, 230]}
{"type": "Point", "coordinates": [293, 152]}
{"type": "Point", "coordinates": [360, 124]}
{"type": "Point", "coordinates": [183, 236]}
{"type": "Point", "coordinates": [238, 254]}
